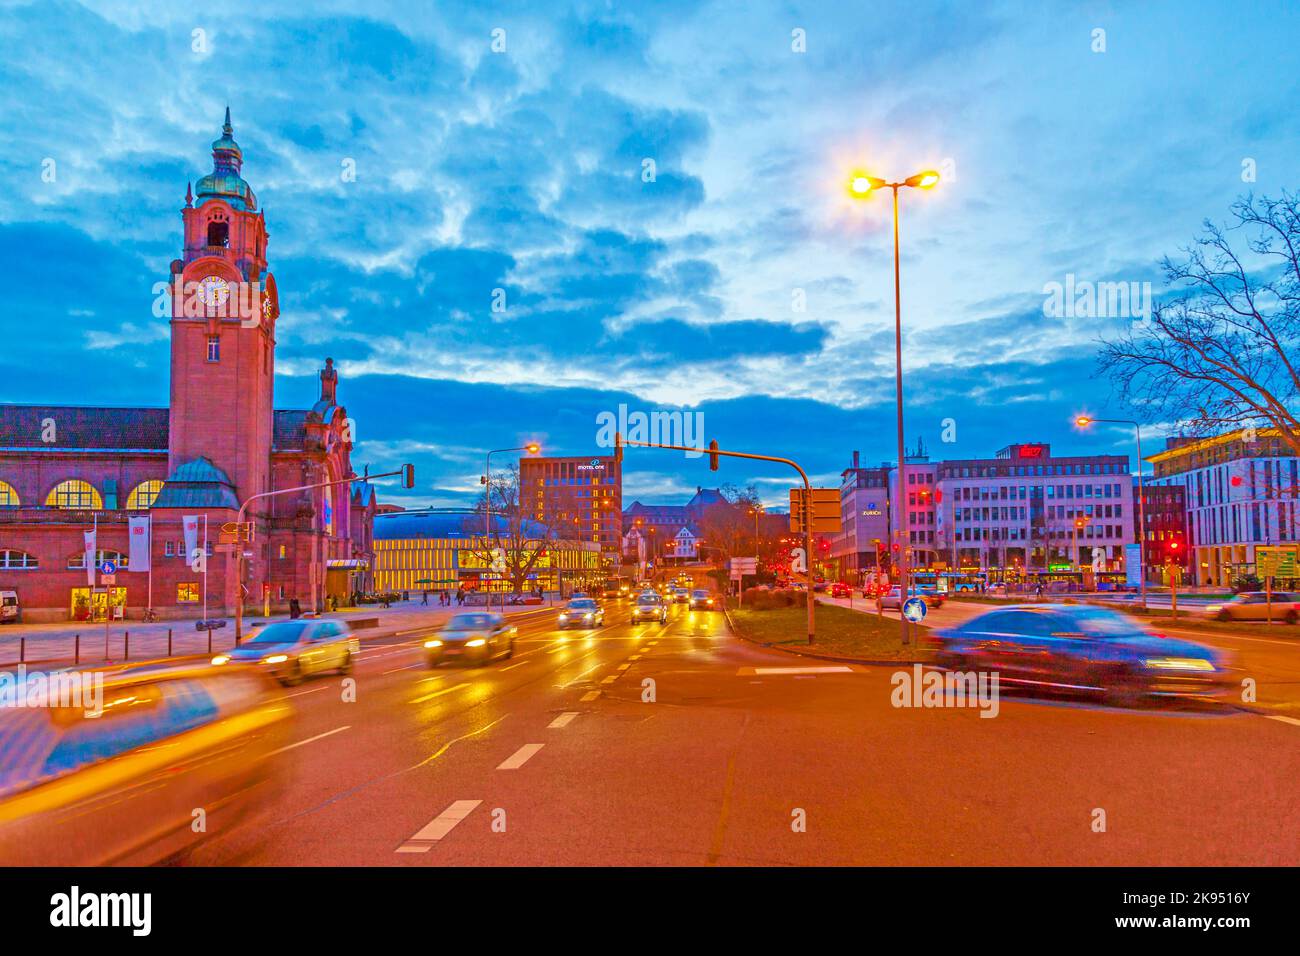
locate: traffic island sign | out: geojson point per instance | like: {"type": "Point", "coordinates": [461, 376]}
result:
{"type": "Point", "coordinates": [914, 610]}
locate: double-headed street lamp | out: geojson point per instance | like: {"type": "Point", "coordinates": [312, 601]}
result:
{"type": "Point", "coordinates": [532, 448]}
{"type": "Point", "coordinates": [861, 186]}
{"type": "Point", "coordinates": [1083, 421]}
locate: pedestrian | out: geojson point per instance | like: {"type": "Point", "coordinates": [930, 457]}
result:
{"type": "Point", "coordinates": [295, 609]}
{"type": "Point", "coordinates": [425, 600]}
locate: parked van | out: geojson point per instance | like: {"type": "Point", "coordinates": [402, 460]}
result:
{"type": "Point", "coordinates": [10, 613]}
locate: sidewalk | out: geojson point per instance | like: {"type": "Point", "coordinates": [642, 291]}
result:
{"type": "Point", "coordinates": [136, 640]}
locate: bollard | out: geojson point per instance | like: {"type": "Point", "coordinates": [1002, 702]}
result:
{"type": "Point", "coordinates": [209, 640]}
{"type": "Point", "coordinates": [126, 645]}
{"type": "Point", "coordinates": [22, 649]}
{"type": "Point", "coordinates": [76, 654]}
{"type": "Point", "coordinates": [169, 642]}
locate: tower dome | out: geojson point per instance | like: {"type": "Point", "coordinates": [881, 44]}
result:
{"type": "Point", "coordinates": [224, 182]}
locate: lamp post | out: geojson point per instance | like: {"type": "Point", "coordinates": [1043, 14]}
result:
{"type": "Point", "coordinates": [1083, 421]}
{"type": "Point", "coordinates": [532, 448]}
{"type": "Point", "coordinates": [860, 187]}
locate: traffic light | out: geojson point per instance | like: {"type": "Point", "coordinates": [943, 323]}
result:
{"type": "Point", "coordinates": [713, 455]}
{"type": "Point", "coordinates": [408, 476]}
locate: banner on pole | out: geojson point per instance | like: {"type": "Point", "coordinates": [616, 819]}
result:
{"type": "Point", "coordinates": [90, 558]}
{"type": "Point", "coordinates": [140, 538]}
{"type": "Point", "coordinates": [190, 527]}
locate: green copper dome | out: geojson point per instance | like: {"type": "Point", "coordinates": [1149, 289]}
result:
{"type": "Point", "coordinates": [224, 182]}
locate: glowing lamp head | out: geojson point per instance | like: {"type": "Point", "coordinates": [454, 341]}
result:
{"type": "Point", "coordinates": [532, 448]}
{"type": "Point", "coordinates": [925, 180]}
{"type": "Point", "coordinates": [1083, 421]}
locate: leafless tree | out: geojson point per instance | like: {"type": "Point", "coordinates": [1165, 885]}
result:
{"type": "Point", "coordinates": [1222, 355]}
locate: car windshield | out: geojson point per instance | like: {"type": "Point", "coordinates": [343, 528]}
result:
{"type": "Point", "coordinates": [1101, 623]}
{"type": "Point", "coordinates": [648, 599]}
{"type": "Point", "coordinates": [470, 622]}
{"type": "Point", "coordinates": [582, 605]}
{"type": "Point", "coordinates": [282, 633]}
{"type": "Point", "coordinates": [700, 593]}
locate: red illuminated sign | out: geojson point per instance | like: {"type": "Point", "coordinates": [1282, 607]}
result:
{"type": "Point", "coordinates": [1031, 451]}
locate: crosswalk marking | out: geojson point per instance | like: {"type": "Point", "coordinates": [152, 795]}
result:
{"type": "Point", "coordinates": [519, 757]}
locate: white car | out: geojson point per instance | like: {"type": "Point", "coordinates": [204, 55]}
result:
{"type": "Point", "coordinates": [649, 607]}
{"type": "Point", "coordinates": [293, 650]}
{"type": "Point", "coordinates": [583, 612]}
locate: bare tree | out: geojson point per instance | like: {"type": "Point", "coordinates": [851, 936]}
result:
{"type": "Point", "coordinates": [1222, 355]}
{"type": "Point", "coordinates": [522, 541]}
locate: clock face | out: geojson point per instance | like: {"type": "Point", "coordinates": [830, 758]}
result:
{"type": "Point", "coordinates": [216, 291]}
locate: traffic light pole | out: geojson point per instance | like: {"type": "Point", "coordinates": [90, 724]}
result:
{"type": "Point", "coordinates": [408, 481]}
{"type": "Point", "coordinates": [806, 517]}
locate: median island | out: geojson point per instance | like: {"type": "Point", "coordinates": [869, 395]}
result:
{"type": "Point", "coordinates": [840, 633]}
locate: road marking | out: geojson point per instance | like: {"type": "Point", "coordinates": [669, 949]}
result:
{"type": "Point", "coordinates": [405, 667]}
{"type": "Point", "coordinates": [439, 693]}
{"type": "Point", "coordinates": [651, 643]}
{"type": "Point", "coordinates": [328, 733]}
{"type": "Point", "coordinates": [761, 671]}
{"type": "Point", "coordinates": [519, 757]}
{"type": "Point", "coordinates": [610, 679]}
{"type": "Point", "coordinates": [635, 657]}
{"type": "Point", "coordinates": [512, 667]}
{"type": "Point", "coordinates": [1288, 720]}
{"type": "Point", "coordinates": [624, 667]}
{"type": "Point", "coordinates": [438, 827]}
{"type": "Point", "coordinates": [562, 721]}
{"type": "Point", "coordinates": [314, 690]}
{"type": "Point", "coordinates": [589, 696]}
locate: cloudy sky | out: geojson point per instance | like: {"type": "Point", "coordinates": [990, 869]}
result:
{"type": "Point", "coordinates": [658, 192]}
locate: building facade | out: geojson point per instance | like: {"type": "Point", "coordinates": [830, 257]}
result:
{"type": "Point", "coordinates": [576, 498]}
{"type": "Point", "coordinates": [864, 539]}
{"type": "Point", "coordinates": [67, 470]}
{"type": "Point", "coordinates": [1241, 490]}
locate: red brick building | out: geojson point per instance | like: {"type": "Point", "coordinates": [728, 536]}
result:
{"type": "Point", "coordinates": [65, 470]}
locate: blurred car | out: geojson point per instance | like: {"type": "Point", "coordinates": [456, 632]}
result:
{"type": "Point", "coordinates": [291, 651]}
{"type": "Point", "coordinates": [1254, 606]}
{"type": "Point", "coordinates": [819, 587]}
{"type": "Point", "coordinates": [474, 637]}
{"type": "Point", "coordinates": [841, 590]}
{"type": "Point", "coordinates": [649, 607]}
{"type": "Point", "coordinates": [1066, 647]}
{"type": "Point", "coordinates": [702, 600]}
{"type": "Point", "coordinates": [932, 596]}
{"type": "Point", "coordinates": [121, 788]}
{"type": "Point", "coordinates": [581, 612]}
{"type": "Point", "coordinates": [10, 612]}
{"type": "Point", "coordinates": [681, 596]}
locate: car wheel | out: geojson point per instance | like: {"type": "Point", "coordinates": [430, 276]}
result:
{"type": "Point", "coordinates": [1121, 688]}
{"type": "Point", "coordinates": [1223, 616]}
{"type": "Point", "coordinates": [1291, 616]}
{"type": "Point", "coordinates": [296, 676]}
{"type": "Point", "coordinates": [346, 667]}
{"type": "Point", "coordinates": [510, 650]}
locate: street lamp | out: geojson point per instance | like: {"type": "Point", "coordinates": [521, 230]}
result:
{"type": "Point", "coordinates": [532, 448]}
{"type": "Point", "coordinates": [861, 186]}
{"type": "Point", "coordinates": [1083, 421]}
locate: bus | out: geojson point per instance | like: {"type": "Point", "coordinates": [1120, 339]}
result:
{"type": "Point", "coordinates": [618, 587]}
{"type": "Point", "coordinates": [947, 582]}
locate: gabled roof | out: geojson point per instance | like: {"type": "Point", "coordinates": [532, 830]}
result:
{"type": "Point", "coordinates": [83, 428]}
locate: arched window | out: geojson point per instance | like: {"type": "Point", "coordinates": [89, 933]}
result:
{"type": "Point", "coordinates": [142, 495]}
{"type": "Point", "coordinates": [218, 233]}
{"type": "Point", "coordinates": [18, 561]}
{"type": "Point", "coordinates": [74, 493]}
{"type": "Point", "coordinates": [78, 560]}
{"type": "Point", "coordinates": [8, 497]}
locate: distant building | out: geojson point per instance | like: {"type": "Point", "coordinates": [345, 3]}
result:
{"type": "Point", "coordinates": [576, 497]}
{"type": "Point", "coordinates": [864, 541]}
{"type": "Point", "coordinates": [667, 533]}
{"type": "Point", "coordinates": [1242, 489]}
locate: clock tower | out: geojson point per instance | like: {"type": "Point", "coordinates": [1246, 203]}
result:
{"type": "Point", "coordinates": [224, 308]}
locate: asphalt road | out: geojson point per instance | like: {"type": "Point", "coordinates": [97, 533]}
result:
{"type": "Point", "coordinates": [555, 758]}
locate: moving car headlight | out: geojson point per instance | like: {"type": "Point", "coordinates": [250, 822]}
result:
{"type": "Point", "coordinates": [477, 642]}
{"type": "Point", "coordinates": [564, 617]}
{"type": "Point", "coordinates": [1213, 608]}
{"type": "Point", "coordinates": [221, 659]}
{"type": "Point", "coordinates": [275, 659]}
{"type": "Point", "coordinates": [1179, 663]}
{"type": "Point", "coordinates": [586, 617]}
{"type": "Point", "coordinates": [433, 643]}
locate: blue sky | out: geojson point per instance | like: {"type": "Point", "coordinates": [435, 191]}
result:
{"type": "Point", "coordinates": [522, 170]}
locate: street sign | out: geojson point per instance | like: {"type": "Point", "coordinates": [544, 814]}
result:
{"type": "Point", "coordinates": [914, 610]}
{"type": "Point", "coordinates": [1272, 561]}
{"type": "Point", "coordinates": [108, 567]}
{"type": "Point", "coordinates": [825, 511]}
{"type": "Point", "coordinates": [107, 579]}
{"type": "Point", "coordinates": [742, 566]}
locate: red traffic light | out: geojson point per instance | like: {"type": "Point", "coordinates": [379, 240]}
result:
{"type": "Point", "coordinates": [1174, 545]}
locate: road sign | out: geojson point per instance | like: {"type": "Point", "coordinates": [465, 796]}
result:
{"type": "Point", "coordinates": [107, 579]}
{"type": "Point", "coordinates": [825, 511]}
{"type": "Point", "coordinates": [108, 567]}
{"type": "Point", "coordinates": [742, 566]}
{"type": "Point", "coordinates": [1272, 561]}
{"type": "Point", "coordinates": [914, 610]}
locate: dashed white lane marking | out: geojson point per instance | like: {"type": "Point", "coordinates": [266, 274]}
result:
{"type": "Point", "coordinates": [651, 643]}
{"type": "Point", "coordinates": [438, 827]}
{"type": "Point", "coordinates": [439, 693]}
{"type": "Point", "coordinates": [519, 757]}
{"type": "Point", "coordinates": [623, 667]}
{"type": "Point", "coordinates": [513, 666]}
{"type": "Point", "coordinates": [761, 671]}
{"type": "Point", "coordinates": [589, 696]}
{"type": "Point", "coordinates": [313, 690]}
{"type": "Point", "coordinates": [561, 721]}
{"type": "Point", "coordinates": [404, 667]}
{"type": "Point", "coordinates": [328, 733]}
{"type": "Point", "coordinates": [610, 679]}
{"type": "Point", "coordinates": [635, 657]}
{"type": "Point", "coordinates": [1285, 720]}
